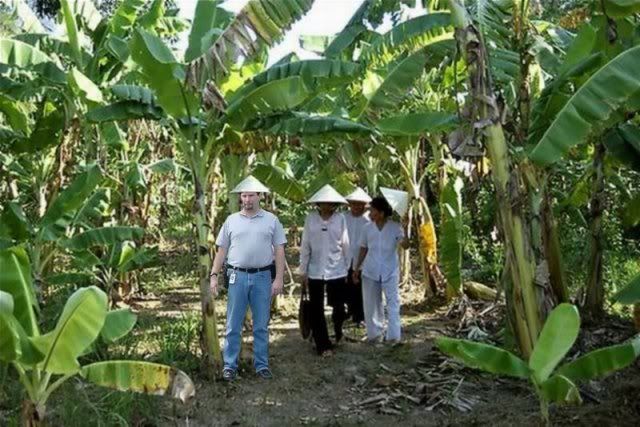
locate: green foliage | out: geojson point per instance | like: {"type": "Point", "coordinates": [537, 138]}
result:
{"type": "Point", "coordinates": [556, 339]}
{"type": "Point", "coordinates": [451, 240]}
{"type": "Point", "coordinates": [82, 320]}
{"type": "Point", "coordinates": [595, 104]}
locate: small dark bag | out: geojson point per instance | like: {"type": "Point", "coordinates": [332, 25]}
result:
{"type": "Point", "coordinates": [304, 315]}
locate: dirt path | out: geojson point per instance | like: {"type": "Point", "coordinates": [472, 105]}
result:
{"type": "Point", "coordinates": [412, 384]}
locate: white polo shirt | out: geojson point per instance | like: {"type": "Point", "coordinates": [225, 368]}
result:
{"type": "Point", "coordinates": [355, 225]}
{"type": "Point", "coordinates": [249, 241]}
{"type": "Point", "coordinates": [325, 247]}
{"type": "Point", "coordinates": [382, 260]}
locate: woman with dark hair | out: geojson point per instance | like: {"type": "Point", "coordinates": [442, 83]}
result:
{"type": "Point", "coordinates": [379, 261]}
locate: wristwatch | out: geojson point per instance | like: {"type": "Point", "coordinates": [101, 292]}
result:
{"type": "Point", "coordinates": [213, 273]}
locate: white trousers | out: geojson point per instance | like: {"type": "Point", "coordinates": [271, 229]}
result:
{"type": "Point", "coordinates": [372, 291]}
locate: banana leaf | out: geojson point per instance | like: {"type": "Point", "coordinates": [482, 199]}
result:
{"type": "Point", "coordinates": [208, 22]}
{"type": "Point", "coordinates": [162, 72]}
{"type": "Point", "coordinates": [386, 88]}
{"type": "Point", "coordinates": [483, 356]}
{"type": "Point", "coordinates": [77, 328]}
{"type": "Point", "coordinates": [630, 294]}
{"type": "Point", "coordinates": [9, 339]}
{"type": "Point", "coordinates": [601, 362]}
{"type": "Point", "coordinates": [417, 123]}
{"type": "Point", "coordinates": [237, 40]}
{"type": "Point", "coordinates": [72, 197]}
{"type": "Point", "coordinates": [124, 17]}
{"type": "Point", "coordinates": [411, 35]}
{"type": "Point", "coordinates": [28, 19]}
{"type": "Point", "coordinates": [631, 212]}
{"type": "Point", "coordinates": [88, 15]}
{"type": "Point", "coordinates": [623, 143]}
{"type": "Point", "coordinates": [103, 236]}
{"type": "Point", "coordinates": [279, 181]}
{"type": "Point", "coordinates": [273, 97]}
{"type": "Point", "coordinates": [15, 279]}
{"type": "Point", "coordinates": [117, 324]}
{"type": "Point", "coordinates": [140, 377]}
{"type": "Point", "coordinates": [134, 93]}
{"type": "Point", "coordinates": [315, 73]}
{"type": "Point", "coordinates": [451, 234]}
{"type": "Point", "coordinates": [78, 279]}
{"type": "Point", "coordinates": [123, 111]}
{"type": "Point", "coordinates": [139, 259]}
{"type": "Point", "coordinates": [13, 223]}
{"type": "Point", "coordinates": [557, 337]}
{"type": "Point", "coordinates": [6, 303]}
{"type": "Point", "coordinates": [591, 107]}
{"type": "Point", "coordinates": [16, 114]}
{"type": "Point", "coordinates": [560, 389]}
{"type": "Point", "coordinates": [47, 131]}
{"type": "Point", "coordinates": [302, 124]}
{"type": "Point", "coordinates": [87, 89]}
{"type": "Point", "coordinates": [69, 21]}
{"type": "Point", "coordinates": [618, 8]}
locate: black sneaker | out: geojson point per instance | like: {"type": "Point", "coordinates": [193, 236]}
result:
{"type": "Point", "coordinates": [228, 374]}
{"type": "Point", "coordinates": [265, 374]}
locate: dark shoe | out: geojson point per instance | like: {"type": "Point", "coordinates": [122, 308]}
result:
{"type": "Point", "coordinates": [228, 374]}
{"type": "Point", "coordinates": [265, 374]}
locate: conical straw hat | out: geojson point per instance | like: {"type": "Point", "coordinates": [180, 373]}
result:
{"type": "Point", "coordinates": [327, 194]}
{"type": "Point", "coordinates": [250, 185]}
{"type": "Point", "coordinates": [359, 195]}
{"type": "Point", "coordinates": [398, 200]}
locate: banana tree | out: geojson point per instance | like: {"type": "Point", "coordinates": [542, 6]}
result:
{"type": "Point", "coordinates": [601, 103]}
{"type": "Point", "coordinates": [61, 220]}
{"type": "Point", "coordinates": [106, 256]}
{"type": "Point", "coordinates": [45, 361]}
{"type": "Point", "coordinates": [189, 95]}
{"type": "Point", "coordinates": [550, 382]}
{"type": "Point", "coordinates": [523, 300]}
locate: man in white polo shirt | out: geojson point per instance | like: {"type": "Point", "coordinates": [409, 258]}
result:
{"type": "Point", "coordinates": [249, 239]}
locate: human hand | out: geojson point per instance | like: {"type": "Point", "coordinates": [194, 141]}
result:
{"type": "Point", "coordinates": [277, 287]}
{"type": "Point", "coordinates": [213, 284]}
{"type": "Point", "coordinates": [355, 276]}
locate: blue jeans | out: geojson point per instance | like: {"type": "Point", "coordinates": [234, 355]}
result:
{"type": "Point", "coordinates": [253, 289]}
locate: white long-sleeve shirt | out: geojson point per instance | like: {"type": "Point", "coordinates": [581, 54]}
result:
{"type": "Point", "coordinates": [355, 225]}
{"type": "Point", "coordinates": [325, 247]}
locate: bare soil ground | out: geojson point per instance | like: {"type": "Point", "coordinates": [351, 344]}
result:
{"type": "Point", "coordinates": [363, 384]}
{"type": "Point", "coordinates": [412, 384]}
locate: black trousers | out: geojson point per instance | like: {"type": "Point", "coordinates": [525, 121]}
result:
{"type": "Point", "coordinates": [336, 299]}
{"type": "Point", "coordinates": [354, 299]}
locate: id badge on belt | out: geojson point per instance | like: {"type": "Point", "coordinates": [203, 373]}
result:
{"type": "Point", "coordinates": [232, 277]}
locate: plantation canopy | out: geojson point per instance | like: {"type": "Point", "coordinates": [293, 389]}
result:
{"type": "Point", "coordinates": [358, 195]}
{"type": "Point", "coordinates": [327, 194]}
{"type": "Point", "coordinates": [398, 200]}
{"type": "Point", "coordinates": [250, 185]}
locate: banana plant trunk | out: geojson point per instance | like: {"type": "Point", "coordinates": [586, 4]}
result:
{"type": "Point", "coordinates": [31, 415]}
{"type": "Point", "coordinates": [552, 249]}
{"type": "Point", "coordinates": [522, 297]}
{"type": "Point", "coordinates": [210, 342]}
{"type": "Point", "coordinates": [594, 298]}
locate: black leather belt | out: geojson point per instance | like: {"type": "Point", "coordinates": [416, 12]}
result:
{"type": "Point", "coordinates": [249, 270]}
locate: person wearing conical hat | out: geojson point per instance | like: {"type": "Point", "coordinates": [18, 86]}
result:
{"type": "Point", "coordinates": [249, 240]}
{"type": "Point", "coordinates": [357, 218]}
{"type": "Point", "coordinates": [378, 266]}
{"type": "Point", "coordinates": [323, 264]}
